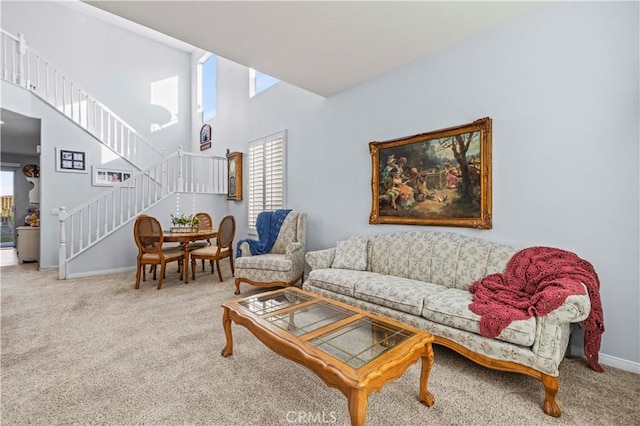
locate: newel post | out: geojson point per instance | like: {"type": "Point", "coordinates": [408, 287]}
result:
{"type": "Point", "coordinates": [180, 169]}
{"type": "Point", "coordinates": [62, 245]}
{"type": "Point", "coordinates": [22, 53]}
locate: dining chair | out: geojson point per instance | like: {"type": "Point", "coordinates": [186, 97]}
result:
{"type": "Point", "coordinates": [223, 247]}
{"type": "Point", "coordinates": [205, 224]}
{"type": "Point", "coordinates": [148, 236]}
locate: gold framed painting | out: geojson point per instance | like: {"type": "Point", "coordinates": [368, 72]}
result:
{"type": "Point", "coordinates": [439, 178]}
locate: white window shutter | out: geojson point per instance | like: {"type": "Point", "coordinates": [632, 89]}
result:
{"type": "Point", "coordinates": [266, 176]}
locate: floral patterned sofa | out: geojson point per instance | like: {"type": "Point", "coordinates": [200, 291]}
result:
{"type": "Point", "coordinates": [421, 278]}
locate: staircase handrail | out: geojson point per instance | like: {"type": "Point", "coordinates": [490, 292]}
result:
{"type": "Point", "coordinates": [117, 187]}
{"type": "Point", "coordinates": [91, 221]}
{"type": "Point", "coordinates": [13, 70]}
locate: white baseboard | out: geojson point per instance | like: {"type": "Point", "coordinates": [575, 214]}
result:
{"type": "Point", "coordinates": [611, 361]}
{"type": "Point", "coordinates": [103, 272]}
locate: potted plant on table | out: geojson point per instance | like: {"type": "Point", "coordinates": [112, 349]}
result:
{"type": "Point", "coordinates": [183, 223]}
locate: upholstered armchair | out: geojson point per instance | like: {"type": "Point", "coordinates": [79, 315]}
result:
{"type": "Point", "coordinates": [283, 265]}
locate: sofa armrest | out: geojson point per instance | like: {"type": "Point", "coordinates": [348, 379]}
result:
{"type": "Point", "coordinates": [576, 308]}
{"type": "Point", "coordinates": [553, 330]}
{"type": "Point", "coordinates": [320, 259]}
{"type": "Point", "coordinates": [292, 248]}
{"type": "Point", "coordinates": [295, 253]}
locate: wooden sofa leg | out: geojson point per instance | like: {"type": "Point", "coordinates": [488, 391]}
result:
{"type": "Point", "coordinates": [237, 286]}
{"type": "Point", "coordinates": [551, 407]}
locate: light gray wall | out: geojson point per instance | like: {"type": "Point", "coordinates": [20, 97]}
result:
{"type": "Point", "coordinates": [118, 67]}
{"type": "Point", "coordinates": [59, 188]}
{"type": "Point", "coordinates": [561, 86]}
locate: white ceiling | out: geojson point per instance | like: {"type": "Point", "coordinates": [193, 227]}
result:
{"type": "Point", "coordinates": [321, 46]}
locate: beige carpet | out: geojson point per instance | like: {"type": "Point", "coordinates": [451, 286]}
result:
{"type": "Point", "coordinates": [96, 351]}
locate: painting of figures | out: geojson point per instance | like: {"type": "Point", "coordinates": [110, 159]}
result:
{"type": "Point", "coordinates": [440, 178]}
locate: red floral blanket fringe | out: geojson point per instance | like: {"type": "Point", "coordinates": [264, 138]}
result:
{"type": "Point", "coordinates": [537, 280]}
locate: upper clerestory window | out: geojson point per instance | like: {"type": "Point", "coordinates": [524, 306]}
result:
{"type": "Point", "coordinates": [259, 82]}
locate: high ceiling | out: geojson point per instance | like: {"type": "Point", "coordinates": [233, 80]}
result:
{"type": "Point", "coordinates": [321, 46]}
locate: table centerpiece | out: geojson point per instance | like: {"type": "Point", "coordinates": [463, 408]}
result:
{"type": "Point", "coordinates": [184, 224]}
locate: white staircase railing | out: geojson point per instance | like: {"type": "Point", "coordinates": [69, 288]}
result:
{"type": "Point", "coordinates": [89, 223]}
{"type": "Point", "coordinates": [22, 65]}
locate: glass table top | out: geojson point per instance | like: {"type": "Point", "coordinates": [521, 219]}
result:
{"type": "Point", "coordinates": [355, 343]}
{"type": "Point", "coordinates": [361, 341]}
{"type": "Point", "coordinates": [309, 318]}
{"type": "Point", "coordinates": [261, 305]}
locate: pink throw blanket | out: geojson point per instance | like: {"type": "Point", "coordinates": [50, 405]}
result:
{"type": "Point", "coordinates": [537, 280]}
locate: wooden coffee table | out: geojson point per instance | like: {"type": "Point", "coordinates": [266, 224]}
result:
{"type": "Point", "coordinates": [354, 351]}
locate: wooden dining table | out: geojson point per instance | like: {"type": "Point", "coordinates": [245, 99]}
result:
{"type": "Point", "coordinates": [185, 238]}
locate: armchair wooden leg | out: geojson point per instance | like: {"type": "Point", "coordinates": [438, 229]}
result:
{"type": "Point", "coordinates": [237, 286]}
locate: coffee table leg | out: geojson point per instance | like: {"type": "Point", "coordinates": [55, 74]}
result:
{"type": "Point", "coordinates": [427, 362]}
{"type": "Point", "coordinates": [226, 324]}
{"type": "Point", "coordinates": [357, 407]}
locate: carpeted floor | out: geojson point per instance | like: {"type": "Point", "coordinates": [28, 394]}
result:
{"type": "Point", "coordinates": [96, 351]}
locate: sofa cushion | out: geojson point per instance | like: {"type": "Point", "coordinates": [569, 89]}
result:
{"type": "Point", "coordinates": [499, 257]}
{"type": "Point", "coordinates": [397, 293]}
{"type": "Point", "coordinates": [340, 281]}
{"type": "Point", "coordinates": [444, 258]}
{"type": "Point", "coordinates": [451, 307]}
{"type": "Point", "coordinates": [390, 254]}
{"type": "Point", "coordinates": [351, 254]}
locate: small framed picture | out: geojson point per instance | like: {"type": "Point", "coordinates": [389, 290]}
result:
{"type": "Point", "coordinates": [205, 137]}
{"type": "Point", "coordinates": [68, 160]}
{"type": "Point", "coordinates": [109, 177]}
